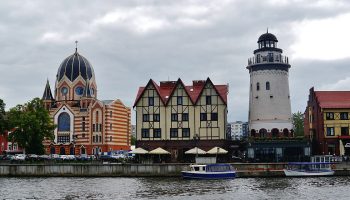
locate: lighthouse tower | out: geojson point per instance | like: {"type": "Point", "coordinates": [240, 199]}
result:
{"type": "Point", "coordinates": [269, 98]}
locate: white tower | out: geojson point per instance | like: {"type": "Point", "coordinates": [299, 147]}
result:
{"type": "Point", "coordinates": [269, 98]}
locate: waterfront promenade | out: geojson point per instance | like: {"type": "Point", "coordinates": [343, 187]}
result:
{"type": "Point", "coordinates": [244, 170]}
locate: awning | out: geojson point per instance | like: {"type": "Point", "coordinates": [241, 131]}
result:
{"type": "Point", "coordinates": [195, 150]}
{"type": "Point", "coordinates": [217, 150]}
{"type": "Point", "coordinates": [139, 151]}
{"type": "Point", "coordinates": [159, 151]}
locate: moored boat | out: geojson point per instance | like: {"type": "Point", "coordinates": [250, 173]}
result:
{"type": "Point", "coordinates": [309, 169]}
{"type": "Point", "coordinates": [210, 171]}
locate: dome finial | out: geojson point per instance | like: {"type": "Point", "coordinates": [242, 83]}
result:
{"type": "Point", "coordinates": [76, 46]}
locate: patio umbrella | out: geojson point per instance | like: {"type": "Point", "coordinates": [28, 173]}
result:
{"type": "Point", "coordinates": [217, 150]}
{"type": "Point", "coordinates": [139, 151]}
{"type": "Point", "coordinates": [341, 148]}
{"type": "Point", "coordinates": [195, 150]}
{"type": "Point", "coordinates": [159, 151]}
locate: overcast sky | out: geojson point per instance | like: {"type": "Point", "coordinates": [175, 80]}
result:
{"type": "Point", "coordinates": [129, 42]}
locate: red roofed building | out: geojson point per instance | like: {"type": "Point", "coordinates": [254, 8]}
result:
{"type": "Point", "coordinates": [178, 117]}
{"type": "Point", "coordinates": [327, 122]}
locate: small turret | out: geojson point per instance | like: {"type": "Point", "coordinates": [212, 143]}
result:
{"type": "Point", "coordinates": [47, 96]}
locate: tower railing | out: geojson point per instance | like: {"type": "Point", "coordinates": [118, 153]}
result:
{"type": "Point", "coordinates": [268, 59]}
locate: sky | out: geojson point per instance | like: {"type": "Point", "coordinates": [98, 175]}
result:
{"type": "Point", "coordinates": [128, 42]}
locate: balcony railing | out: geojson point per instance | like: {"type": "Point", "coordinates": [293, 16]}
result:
{"type": "Point", "coordinates": [268, 59]}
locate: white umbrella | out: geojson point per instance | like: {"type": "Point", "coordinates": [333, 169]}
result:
{"type": "Point", "coordinates": [159, 151]}
{"type": "Point", "coordinates": [195, 150]}
{"type": "Point", "coordinates": [217, 150]}
{"type": "Point", "coordinates": [341, 148]}
{"type": "Point", "coordinates": [139, 151]}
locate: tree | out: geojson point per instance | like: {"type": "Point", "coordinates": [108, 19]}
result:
{"type": "Point", "coordinates": [3, 119]}
{"type": "Point", "coordinates": [298, 123]}
{"type": "Point", "coordinates": [31, 124]}
{"type": "Point", "coordinates": [133, 140]}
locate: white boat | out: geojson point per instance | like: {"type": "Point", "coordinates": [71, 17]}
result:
{"type": "Point", "coordinates": [210, 171]}
{"type": "Point", "coordinates": [309, 169]}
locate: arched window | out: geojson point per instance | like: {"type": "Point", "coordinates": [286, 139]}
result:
{"type": "Point", "coordinates": [257, 86]}
{"type": "Point", "coordinates": [83, 150]}
{"type": "Point", "coordinates": [64, 122]}
{"type": "Point", "coordinates": [62, 151]}
{"type": "Point", "coordinates": [263, 132]}
{"type": "Point", "coordinates": [274, 132]}
{"type": "Point", "coordinates": [52, 150]}
{"type": "Point", "coordinates": [267, 85]}
{"type": "Point", "coordinates": [285, 132]}
{"type": "Point", "coordinates": [253, 133]}
{"type": "Point", "coordinates": [71, 150]}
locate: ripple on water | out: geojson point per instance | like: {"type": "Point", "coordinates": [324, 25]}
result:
{"type": "Point", "coordinates": [174, 188]}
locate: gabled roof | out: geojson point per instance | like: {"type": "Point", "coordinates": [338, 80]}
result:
{"type": "Point", "coordinates": [333, 99]}
{"type": "Point", "coordinates": [167, 88]}
{"type": "Point", "coordinates": [47, 93]}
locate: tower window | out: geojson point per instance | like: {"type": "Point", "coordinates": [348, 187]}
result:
{"type": "Point", "coordinates": [270, 57]}
{"type": "Point", "coordinates": [267, 85]}
{"type": "Point", "coordinates": [257, 86]}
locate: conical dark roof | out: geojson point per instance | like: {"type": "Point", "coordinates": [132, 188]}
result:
{"type": "Point", "coordinates": [47, 92]}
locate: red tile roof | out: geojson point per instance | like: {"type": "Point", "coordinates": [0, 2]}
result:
{"type": "Point", "coordinates": [167, 88]}
{"type": "Point", "coordinates": [333, 99]}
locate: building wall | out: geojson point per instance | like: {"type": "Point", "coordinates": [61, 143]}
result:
{"type": "Point", "coordinates": [270, 108]}
{"type": "Point", "coordinates": [316, 125]}
{"type": "Point", "coordinates": [204, 129]}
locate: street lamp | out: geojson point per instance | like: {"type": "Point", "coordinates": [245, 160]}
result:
{"type": "Point", "coordinates": [196, 139]}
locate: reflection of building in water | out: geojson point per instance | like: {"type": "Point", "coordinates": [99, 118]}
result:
{"type": "Point", "coordinates": [85, 125]}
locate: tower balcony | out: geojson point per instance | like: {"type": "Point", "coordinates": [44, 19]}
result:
{"type": "Point", "coordinates": [268, 59]}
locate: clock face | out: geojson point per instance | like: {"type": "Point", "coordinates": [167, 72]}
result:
{"type": "Point", "coordinates": [64, 90]}
{"type": "Point", "coordinates": [79, 90]}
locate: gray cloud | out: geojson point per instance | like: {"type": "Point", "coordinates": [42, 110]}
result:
{"type": "Point", "coordinates": [129, 42]}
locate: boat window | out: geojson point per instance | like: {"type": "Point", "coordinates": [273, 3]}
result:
{"type": "Point", "coordinates": [219, 168]}
{"type": "Point", "coordinates": [196, 168]}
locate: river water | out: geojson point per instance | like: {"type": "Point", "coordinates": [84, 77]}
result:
{"type": "Point", "coordinates": [175, 188]}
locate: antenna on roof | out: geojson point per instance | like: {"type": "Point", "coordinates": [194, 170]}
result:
{"type": "Point", "coordinates": [267, 30]}
{"type": "Point", "coordinates": [76, 46]}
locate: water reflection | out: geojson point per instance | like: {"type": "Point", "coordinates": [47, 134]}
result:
{"type": "Point", "coordinates": [174, 188]}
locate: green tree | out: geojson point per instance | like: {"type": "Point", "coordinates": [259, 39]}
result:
{"type": "Point", "coordinates": [31, 123]}
{"type": "Point", "coordinates": [133, 140]}
{"type": "Point", "coordinates": [298, 123]}
{"type": "Point", "coordinates": [3, 119]}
